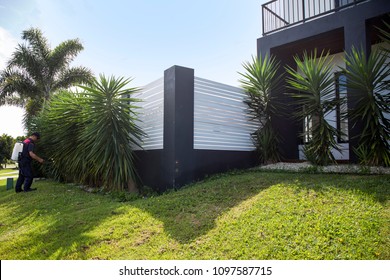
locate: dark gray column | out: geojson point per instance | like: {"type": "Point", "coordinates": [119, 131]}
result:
{"type": "Point", "coordinates": [178, 125]}
{"type": "Point", "coordinates": [355, 35]}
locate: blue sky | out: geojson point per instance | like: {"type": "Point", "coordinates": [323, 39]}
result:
{"type": "Point", "coordinates": [138, 39]}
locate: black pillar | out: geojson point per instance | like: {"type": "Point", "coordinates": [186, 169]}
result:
{"type": "Point", "coordinates": [286, 125]}
{"type": "Point", "coordinates": [355, 36]}
{"type": "Point", "coordinates": [178, 126]}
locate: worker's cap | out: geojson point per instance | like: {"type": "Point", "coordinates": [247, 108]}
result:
{"type": "Point", "coordinates": [36, 134]}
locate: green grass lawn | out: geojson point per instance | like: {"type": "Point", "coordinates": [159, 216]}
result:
{"type": "Point", "coordinates": [249, 215]}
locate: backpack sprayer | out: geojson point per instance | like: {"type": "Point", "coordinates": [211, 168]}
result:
{"type": "Point", "coordinates": [16, 154]}
{"type": "Point", "coordinates": [17, 151]}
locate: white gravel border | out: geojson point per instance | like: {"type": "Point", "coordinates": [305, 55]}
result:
{"type": "Point", "coordinates": [341, 168]}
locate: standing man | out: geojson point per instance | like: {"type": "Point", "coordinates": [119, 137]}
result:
{"type": "Point", "coordinates": [25, 169]}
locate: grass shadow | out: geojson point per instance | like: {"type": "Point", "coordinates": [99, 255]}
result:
{"type": "Point", "coordinates": [375, 186]}
{"type": "Point", "coordinates": [193, 210]}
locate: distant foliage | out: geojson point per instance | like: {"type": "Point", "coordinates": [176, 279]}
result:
{"type": "Point", "coordinates": [6, 147]}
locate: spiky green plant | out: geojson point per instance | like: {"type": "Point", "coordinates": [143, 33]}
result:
{"type": "Point", "coordinates": [110, 132]}
{"type": "Point", "coordinates": [61, 124]}
{"type": "Point", "coordinates": [259, 80]}
{"type": "Point", "coordinates": [367, 83]}
{"type": "Point", "coordinates": [313, 86]}
{"type": "Point", "coordinates": [90, 136]}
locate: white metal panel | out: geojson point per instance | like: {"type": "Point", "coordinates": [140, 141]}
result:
{"type": "Point", "coordinates": [343, 155]}
{"type": "Point", "coordinates": [151, 114]}
{"type": "Point", "coordinates": [221, 119]}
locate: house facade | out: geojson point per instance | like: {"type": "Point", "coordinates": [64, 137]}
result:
{"type": "Point", "coordinates": [292, 27]}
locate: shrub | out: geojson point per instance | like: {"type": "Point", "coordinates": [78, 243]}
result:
{"type": "Point", "coordinates": [258, 81]}
{"type": "Point", "coordinates": [313, 82]}
{"type": "Point", "coordinates": [367, 82]}
{"type": "Point", "coordinates": [89, 136]}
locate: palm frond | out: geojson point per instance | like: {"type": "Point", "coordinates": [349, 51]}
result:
{"type": "Point", "coordinates": [37, 41]}
{"type": "Point", "coordinates": [72, 76]}
{"type": "Point", "coordinates": [62, 55]}
{"type": "Point", "coordinates": [17, 84]}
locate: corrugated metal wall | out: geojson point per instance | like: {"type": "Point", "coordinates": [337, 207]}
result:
{"type": "Point", "coordinates": [151, 114]}
{"type": "Point", "coordinates": [221, 121]}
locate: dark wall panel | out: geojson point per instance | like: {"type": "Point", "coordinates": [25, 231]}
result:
{"type": "Point", "coordinates": [208, 162]}
{"type": "Point", "coordinates": [150, 166]}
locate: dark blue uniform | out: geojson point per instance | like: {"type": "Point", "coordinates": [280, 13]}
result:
{"type": "Point", "coordinates": [25, 169]}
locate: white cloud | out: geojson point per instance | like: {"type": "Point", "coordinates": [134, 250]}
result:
{"type": "Point", "coordinates": [8, 44]}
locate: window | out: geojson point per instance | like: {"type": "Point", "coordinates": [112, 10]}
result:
{"type": "Point", "coordinates": [342, 107]}
{"type": "Point", "coordinates": [307, 129]}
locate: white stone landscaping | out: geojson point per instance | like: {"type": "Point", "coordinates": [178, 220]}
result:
{"type": "Point", "coordinates": [339, 168]}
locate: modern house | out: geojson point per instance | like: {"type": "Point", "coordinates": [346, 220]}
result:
{"type": "Point", "coordinates": [197, 127]}
{"type": "Point", "coordinates": [291, 27]}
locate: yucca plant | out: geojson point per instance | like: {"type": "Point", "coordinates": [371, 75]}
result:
{"type": "Point", "coordinates": [313, 85]}
{"type": "Point", "coordinates": [110, 132]}
{"type": "Point", "coordinates": [90, 136]}
{"type": "Point", "coordinates": [259, 80]}
{"type": "Point", "coordinates": [367, 83]}
{"type": "Point", "coordinates": [61, 123]}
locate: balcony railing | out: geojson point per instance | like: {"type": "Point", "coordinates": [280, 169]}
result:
{"type": "Point", "coordinates": [280, 14]}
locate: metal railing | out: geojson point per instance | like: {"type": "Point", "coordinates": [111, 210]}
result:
{"type": "Point", "coordinates": [281, 14]}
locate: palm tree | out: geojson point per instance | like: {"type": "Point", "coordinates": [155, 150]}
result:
{"type": "Point", "coordinates": [258, 81]}
{"type": "Point", "coordinates": [35, 72]}
{"type": "Point", "coordinates": [313, 79]}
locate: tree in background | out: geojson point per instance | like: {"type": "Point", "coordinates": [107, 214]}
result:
{"type": "Point", "coordinates": [35, 72]}
{"type": "Point", "coordinates": [20, 138]}
{"type": "Point", "coordinates": [258, 81]}
{"type": "Point", "coordinates": [6, 147]}
{"type": "Point", "coordinates": [313, 81]}
{"type": "Point", "coordinates": [90, 136]}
